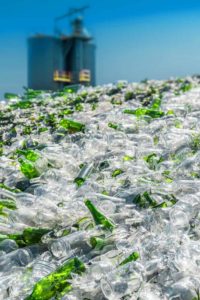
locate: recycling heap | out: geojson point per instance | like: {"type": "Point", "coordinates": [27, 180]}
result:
{"type": "Point", "coordinates": [100, 192]}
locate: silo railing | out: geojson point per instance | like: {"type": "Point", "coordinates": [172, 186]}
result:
{"type": "Point", "coordinates": [84, 76]}
{"type": "Point", "coordinates": [62, 76]}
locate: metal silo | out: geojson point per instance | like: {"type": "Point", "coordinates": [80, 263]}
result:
{"type": "Point", "coordinates": [83, 53]}
{"type": "Point", "coordinates": [44, 57]}
{"type": "Point", "coordinates": [89, 60]}
{"type": "Point", "coordinates": [56, 61]}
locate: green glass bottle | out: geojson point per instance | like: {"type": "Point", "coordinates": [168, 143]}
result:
{"type": "Point", "coordinates": [56, 284]}
{"type": "Point", "coordinates": [72, 126]}
{"type": "Point", "coordinates": [29, 236]}
{"type": "Point", "coordinates": [132, 257]}
{"type": "Point", "coordinates": [98, 217]}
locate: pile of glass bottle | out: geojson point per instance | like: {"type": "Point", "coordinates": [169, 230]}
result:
{"type": "Point", "coordinates": [100, 193]}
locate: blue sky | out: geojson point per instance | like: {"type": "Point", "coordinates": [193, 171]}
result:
{"type": "Point", "coordinates": [152, 39]}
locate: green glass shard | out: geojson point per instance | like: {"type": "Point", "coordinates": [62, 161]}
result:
{"type": "Point", "coordinates": [139, 112]}
{"type": "Point", "coordinates": [72, 126]}
{"type": "Point", "coordinates": [51, 120]}
{"type": "Point", "coordinates": [29, 154]}
{"type": "Point", "coordinates": [85, 171]}
{"type": "Point", "coordinates": [169, 200]}
{"type": "Point", "coordinates": [105, 193]}
{"type": "Point", "coordinates": [28, 169]}
{"type": "Point", "coordinates": [117, 172]}
{"type": "Point", "coordinates": [116, 101]}
{"type": "Point", "coordinates": [155, 140]}
{"type": "Point", "coordinates": [81, 165]}
{"type": "Point", "coordinates": [170, 112]}
{"type": "Point", "coordinates": [5, 187]}
{"type": "Point", "coordinates": [3, 237]}
{"type": "Point", "coordinates": [195, 143]}
{"type": "Point", "coordinates": [156, 104]}
{"type": "Point", "coordinates": [10, 204]}
{"type": "Point", "coordinates": [2, 212]}
{"type": "Point", "coordinates": [23, 104]}
{"type": "Point", "coordinates": [195, 175]}
{"type": "Point", "coordinates": [151, 201]}
{"type": "Point", "coordinates": [79, 107]}
{"type": "Point", "coordinates": [33, 235]}
{"type": "Point", "coordinates": [84, 223]}
{"type": "Point", "coordinates": [27, 130]}
{"type": "Point", "coordinates": [79, 181]}
{"type": "Point", "coordinates": [31, 94]}
{"type": "Point", "coordinates": [161, 205]}
{"type": "Point", "coordinates": [42, 129]}
{"type": "Point", "coordinates": [98, 217]}
{"type": "Point", "coordinates": [56, 284]}
{"type": "Point", "coordinates": [128, 157]}
{"type": "Point", "coordinates": [1, 149]}
{"type": "Point", "coordinates": [98, 243]}
{"type": "Point", "coordinates": [84, 94]}
{"type": "Point", "coordinates": [132, 257]}
{"type": "Point", "coordinates": [129, 96]}
{"type": "Point", "coordinates": [66, 112]}
{"type": "Point", "coordinates": [178, 124]}
{"type": "Point", "coordinates": [9, 96]}
{"type": "Point", "coordinates": [113, 125]}
{"type": "Point", "coordinates": [94, 106]}
{"type": "Point", "coordinates": [167, 176]}
{"type": "Point", "coordinates": [153, 160]}
{"type": "Point", "coordinates": [144, 200]}
{"type": "Point", "coordinates": [71, 89]}
{"type": "Point", "coordinates": [185, 87]}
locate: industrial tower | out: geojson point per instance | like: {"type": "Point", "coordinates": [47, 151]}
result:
{"type": "Point", "coordinates": [60, 60]}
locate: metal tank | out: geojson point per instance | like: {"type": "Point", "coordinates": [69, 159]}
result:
{"type": "Point", "coordinates": [82, 57]}
{"type": "Point", "coordinates": [89, 50]}
{"type": "Point", "coordinates": [44, 57]}
{"type": "Point", "coordinates": [56, 61]}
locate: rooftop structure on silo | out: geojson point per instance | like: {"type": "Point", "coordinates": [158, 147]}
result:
{"type": "Point", "coordinates": [60, 60]}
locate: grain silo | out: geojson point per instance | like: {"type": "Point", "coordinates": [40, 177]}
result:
{"type": "Point", "coordinates": [57, 61]}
